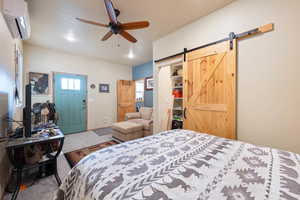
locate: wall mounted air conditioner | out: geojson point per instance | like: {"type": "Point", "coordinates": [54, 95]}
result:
{"type": "Point", "coordinates": [17, 18]}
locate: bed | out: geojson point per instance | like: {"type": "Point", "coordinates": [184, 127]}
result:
{"type": "Point", "coordinates": [182, 165]}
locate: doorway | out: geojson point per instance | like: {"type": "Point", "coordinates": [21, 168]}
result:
{"type": "Point", "coordinates": [70, 98]}
{"type": "Point", "coordinates": [126, 98]}
{"type": "Point", "coordinates": [139, 93]}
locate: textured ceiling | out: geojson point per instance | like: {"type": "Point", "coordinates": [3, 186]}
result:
{"type": "Point", "coordinates": [54, 20]}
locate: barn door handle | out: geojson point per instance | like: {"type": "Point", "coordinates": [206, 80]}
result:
{"type": "Point", "coordinates": [184, 113]}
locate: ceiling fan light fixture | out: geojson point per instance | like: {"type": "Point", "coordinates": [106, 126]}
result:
{"type": "Point", "coordinates": [130, 55]}
{"type": "Point", "coordinates": [70, 37]}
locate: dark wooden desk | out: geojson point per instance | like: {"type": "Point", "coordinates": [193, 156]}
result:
{"type": "Point", "coordinates": [15, 149]}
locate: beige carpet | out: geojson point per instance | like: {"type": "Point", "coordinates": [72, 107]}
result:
{"type": "Point", "coordinates": [82, 140]}
{"type": "Point", "coordinates": [103, 131]}
{"type": "Point", "coordinates": [44, 189]}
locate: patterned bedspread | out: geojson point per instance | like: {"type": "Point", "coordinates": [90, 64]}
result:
{"type": "Point", "coordinates": [183, 165]}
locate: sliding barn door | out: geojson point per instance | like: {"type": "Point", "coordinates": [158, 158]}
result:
{"type": "Point", "coordinates": [126, 98]}
{"type": "Point", "coordinates": [210, 90]}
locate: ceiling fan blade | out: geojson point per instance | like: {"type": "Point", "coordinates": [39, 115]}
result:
{"type": "Point", "coordinates": [110, 11]}
{"type": "Point", "coordinates": [108, 35]}
{"type": "Point", "coordinates": [135, 25]}
{"type": "Point", "coordinates": [127, 36]}
{"type": "Point", "coordinates": [91, 22]}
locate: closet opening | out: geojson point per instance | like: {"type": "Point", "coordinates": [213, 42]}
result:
{"type": "Point", "coordinates": [139, 93]}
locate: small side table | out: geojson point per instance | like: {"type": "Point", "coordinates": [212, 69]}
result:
{"type": "Point", "coordinates": [15, 151]}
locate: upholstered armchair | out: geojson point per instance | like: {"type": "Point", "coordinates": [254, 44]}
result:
{"type": "Point", "coordinates": [143, 117]}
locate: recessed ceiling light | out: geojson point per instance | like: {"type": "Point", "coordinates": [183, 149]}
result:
{"type": "Point", "coordinates": [130, 55]}
{"type": "Point", "coordinates": [70, 37]}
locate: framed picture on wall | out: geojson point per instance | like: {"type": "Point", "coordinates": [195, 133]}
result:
{"type": "Point", "coordinates": [40, 83]}
{"type": "Point", "coordinates": [149, 83]}
{"type": "Point", "coordinates": [103, 88]}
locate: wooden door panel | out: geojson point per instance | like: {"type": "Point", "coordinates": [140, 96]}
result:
{"type": "Point", "coordinates": [208, 51]}
{"type": "Point", "coordinates": [126, 98]}
{"type": "Point", "coordinates": [214, 90]}
{"type": "Point", "coordinates": [209, 90]}
{"type": "Point", "coordinates": [211, 122]}
{"type": "Point", "coordinates": [205, 71]}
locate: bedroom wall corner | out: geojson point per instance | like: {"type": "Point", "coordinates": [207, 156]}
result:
{"type": "Point", "coordinates": [268, 66]}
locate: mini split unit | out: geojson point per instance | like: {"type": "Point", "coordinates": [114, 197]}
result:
{"type": "Point", "coordinates": [17, 18]}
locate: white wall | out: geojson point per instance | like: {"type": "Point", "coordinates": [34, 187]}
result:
{"type": "Point", "coordinates": [102, 107]}
{"type": "Point", "coordinates": [268, 67]}
{"type": "Point", "coordinates": [7, 78]}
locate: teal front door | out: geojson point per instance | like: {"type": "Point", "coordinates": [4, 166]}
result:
{"type": "Point", "coordinates": [70, 97]}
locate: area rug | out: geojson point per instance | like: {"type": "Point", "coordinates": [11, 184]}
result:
{"type": "Point", "coordinates": [74, 157]}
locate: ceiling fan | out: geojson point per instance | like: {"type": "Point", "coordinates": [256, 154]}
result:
{"type": "Point", "coordinates": [115, 26]}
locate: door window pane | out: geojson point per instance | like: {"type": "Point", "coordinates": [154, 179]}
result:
{"type": "Point", "coordinates": [64, 84]}
{"type": "Point", "coordinates": [70, 84]}
{"type": "Point", "coordinates": [139, 93]}
{"type": "Point", "coordinates": [76, 84]}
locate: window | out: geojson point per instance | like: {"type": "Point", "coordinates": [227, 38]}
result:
{"type": "Point", "coordinates": [18, 76]}
{"type": "Point", "coordinates": [70, 84]}
{"type": "Point", "coordinates": [139, 85]}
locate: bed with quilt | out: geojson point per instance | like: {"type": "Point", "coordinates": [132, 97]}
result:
{"type": "Point", "coordinates": [183, 165]}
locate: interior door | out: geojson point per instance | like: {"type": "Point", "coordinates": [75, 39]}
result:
{"type": "Point", "coordinates": [210, 90]}
{"type": "Point", "coordinates": [126, 98]}
{"type": "Point", "coordinates": [70, 96]}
